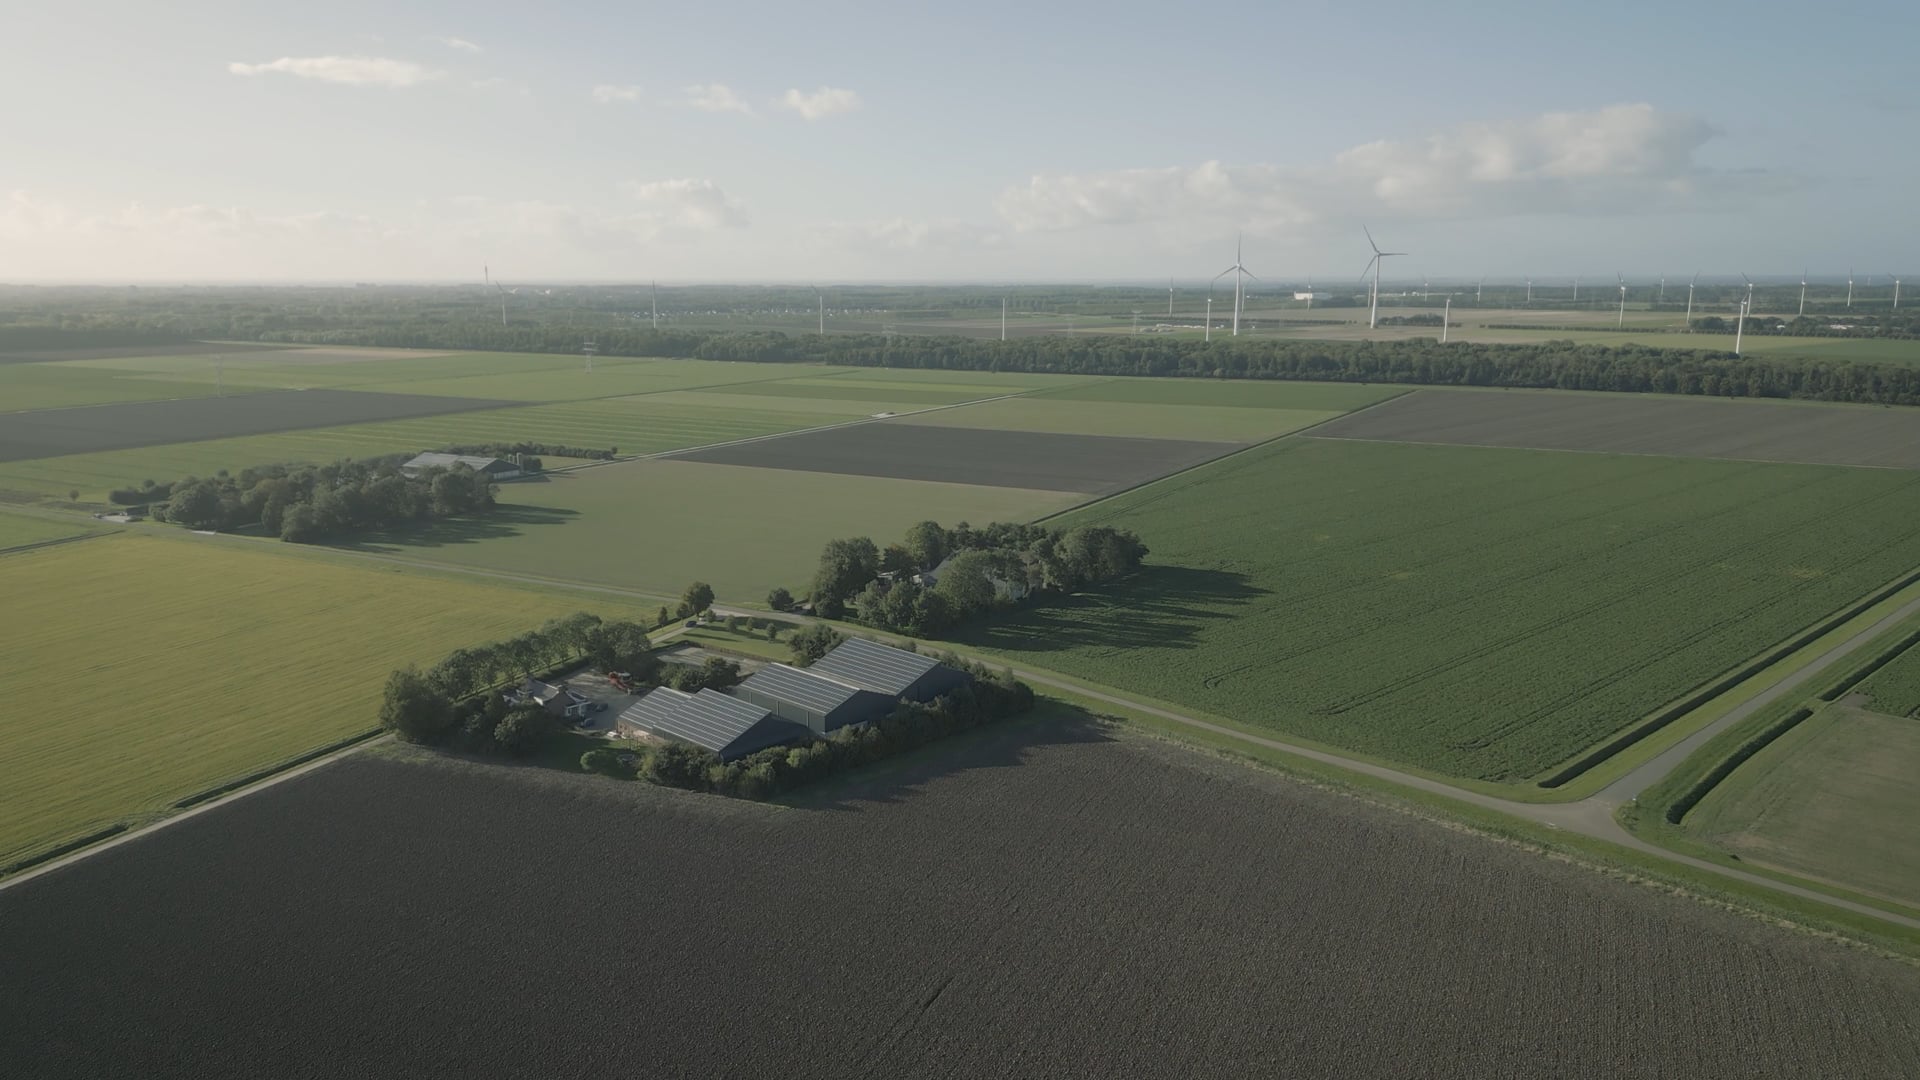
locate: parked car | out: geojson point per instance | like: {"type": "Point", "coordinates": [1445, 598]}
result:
{"type": "Point", "coordinates": [691, 623]}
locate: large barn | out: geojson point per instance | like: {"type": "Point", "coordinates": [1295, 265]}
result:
{"type": "Point", "coordinates": [823, 705]}
{"type": "Point", "coordinates": [882, 669]}
{"type": "Point", "coordinates": [729, 727]}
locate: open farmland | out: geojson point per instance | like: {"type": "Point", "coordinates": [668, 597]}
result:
{"type": "Point", "coordinates": [19, 529]}
{"type": "Point", "coordinates": [1045, 898]}
{"type": "Point", "coordinates": [142, 669]}
{"type": "Point", "coordinates": [1481, 613]}
{"type": "Point", "coordinates": [656, 525]}
{"type": "Point", "coordinates": [1159, 408]}
{"type": "Point", "coordinates": [56, 432]}
{"type": "Point", "coordinates": [1895, 688]}
{"type": "Point", "coordinates": [1833, 798]}
{"type": "Point", "coordinates": [1744, 430]}
{"type": "Point", "coordinates": [1022, 459]}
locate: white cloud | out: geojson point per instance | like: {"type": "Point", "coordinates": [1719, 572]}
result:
{"type": "Point", "coordinates": [714, 97]}
{"type": "Point", "coordinates": [690, 204]}
{"type": "Point", "coordinates": [907, 234]}
{"type": "Point", "coordinates": [608, 94]}
{"type": "Point", "coordinates": [351, 70]}
{"type": "Point", "coordinates": [824, 102]}
{"type": "Point", "coordinates": [460, 45]}
{"type": "Point", "coordinates": [1617, 159]}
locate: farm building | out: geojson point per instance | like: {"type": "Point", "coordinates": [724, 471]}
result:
{"type": "Point", "coordinates": [729, 727]}
{"type": "Point", "coordinates": [558, 699]}
{"type": "Point", "coordinates": [490, 467]}
{"type": "Point", "coordinates": [820, 704]}
{"type": "Point", "coordinates": [896, 673]}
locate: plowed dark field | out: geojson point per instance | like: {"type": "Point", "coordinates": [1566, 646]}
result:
{"type": "Point", "coordinates": [1624, 424]}
{"type": "Point", "coordinates": [1024, 459]}
{"type": "Point", "coordinates": [1044, 899]}
{"type": "Point", "coordinates": [53, 432]}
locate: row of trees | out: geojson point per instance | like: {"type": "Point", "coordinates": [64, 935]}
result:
{"type": "Point", "coordinates": [979, 570]}
{"type": "Point", "coordinates": [306, 503]}
{"type": "Point", "coordinates": [525, 454]}
{"type": "Point", "coordinates": [993, 695]}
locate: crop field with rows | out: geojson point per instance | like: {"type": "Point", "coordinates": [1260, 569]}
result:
{"type": "Point", "coordinates": [1895, 688]}
{"type": "Point", "coordinates": [1045, 897]}
{"type": "Point", "coordinates": [1481, 613]}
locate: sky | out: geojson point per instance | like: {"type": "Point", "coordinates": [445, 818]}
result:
{"type": "Point", "coordinates": [987, 141]}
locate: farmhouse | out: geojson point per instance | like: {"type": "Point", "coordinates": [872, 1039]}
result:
{"type": "Point", "coordinates": [729, 727]}
{"type": "Point", "coordinates": [491, 468]}
{"type": "Point", "coordinates": [558, 699]}
{"type": "Point", "coordinates": [1010, 590]}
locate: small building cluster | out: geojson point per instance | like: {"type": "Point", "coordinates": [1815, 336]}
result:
{"type": "Point", "coordinates": [557, 698]}
{"type": "Point", "coordinates": [490, 467]}
{"type": "Point", "coordinates": [856, 683]}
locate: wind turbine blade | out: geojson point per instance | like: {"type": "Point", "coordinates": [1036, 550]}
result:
{"type": "Point", "coordinates": [1223, 273]}
{"type": "Point", "coordinates": [1370, 243]}
{"type": "Point", "coordinates": [1370, 262]}
{"type": "Point", "coordinates": [1250, 273]}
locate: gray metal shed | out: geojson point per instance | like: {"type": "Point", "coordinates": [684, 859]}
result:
{"type": "Point", "coordinates": [883, 669]}
{"type": "Point", "coordinates": [822, 704]}
{"type": "Point", "coordinates": [729, 727]}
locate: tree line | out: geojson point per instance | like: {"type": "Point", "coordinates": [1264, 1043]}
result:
{"type": "Point", "coordinates": [308, 503]}
{"type": "Point", "coordinates": [979, 570]}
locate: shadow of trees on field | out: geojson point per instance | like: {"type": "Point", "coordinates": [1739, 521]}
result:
{"type": "Point", "coordinates": [1005, 744]}
{"type": "Point", "coordinates": [1160, 607]}
{"type": "Point", "coordinates": [504, 520]}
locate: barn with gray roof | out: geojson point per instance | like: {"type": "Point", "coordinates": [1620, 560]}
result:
{"type": "Point", "coordinates": [729, 727]}
{"type": "Point", "coordinates": [823, 705]}
{"type": "Point", "coordinates": [883, 669]}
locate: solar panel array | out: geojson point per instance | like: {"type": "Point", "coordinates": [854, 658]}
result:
{"type": "Point", "coordinates": [659, 704]}
{"type": "Point", "coordinates": [711, 719]}
{"type": "Point", "coordinates": [799, 687]}
{"type": "Point", "coordinates": [874, 667]}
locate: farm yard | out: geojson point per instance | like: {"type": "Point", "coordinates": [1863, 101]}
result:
{"type": "Point", "coordinates": [1481, 613]}
{"type": "Point", "coordinates": [1170, 914]}
{"type": "Point", "coordinates": [1742, 430]}
{"type": "Point", "coordinates": [142, 669]}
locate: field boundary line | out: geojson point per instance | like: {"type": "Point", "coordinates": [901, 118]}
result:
{"type": "Point", "coordinates": [1229, 455]}
{"type": "Point", "coordinates": [176, 818]}
{"type": "Point", "coordinates": [56, 541]}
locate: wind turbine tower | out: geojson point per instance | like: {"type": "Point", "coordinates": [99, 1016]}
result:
{"type": "Point", "coordinates": [1690, 285]}
{"type": "Point", "coordinates": [1849, 288]}
{"type": "Point", "coordinates": [1373, 264]}
{"type": "Point", "coordinates": [1576, 288]}
{"type": "Point", "coordinates": [1239, 272]}
{"type": "Point", "coordinates": [1622, 321]}
{"type": "Point", "coordinates": [1169, 298]}
{"type": "Point", "coordinates": [1663, 290]}
{"type": "Point", "coordinates": [1529, 288]}
{"type": "Point", "coordinates": [1003, 318]}
{"type": "Point", "coordinates": [656, 305]}
{"type": "Point", "coordinates": [1896, 292]}
{"type": "Point", "coordinates": [1740, 328]}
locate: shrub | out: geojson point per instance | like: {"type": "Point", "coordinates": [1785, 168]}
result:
{"type": "Point", "coordinates": [780, 600]}
{"type": "Point", "coordinates": [524, 729]}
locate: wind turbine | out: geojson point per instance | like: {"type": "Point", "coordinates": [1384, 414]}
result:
{"type": "Point", "coordinates": [1663, 290]}
{"type": "Point", "coordinates": [1690, 285]}
{"type": "Point", "coordinates": [1309, 292]}
{"type": "Point", "coordinates": [656, 305]}
{"type": "Point", "coordinates": [1373, 264]}
{"type": "Point", "coordinates": [1803, 292]}
{"type": "Point", "coordinates": [1482, 284]}
{"type": "Point", "coordinates": [1576, 288]}
{"type": "Point", "coordinates": [1622, 321]}
{"type": "Point", "coordinates": [1209, 332]}
{"type": "Point", "coordinates": [821, 298]}
{"type": "Point", "coordinates": [1529, 288]}
{"type": "Point", "coordinates": [1749, 282]}
{"type": "Point", "coordinates": [1849, 288]}
{"type": "Point", "coordinates": [1238, 271]}
{"type": "Point", "coordinates": [1003, 318]}
{"type": "Point", "coordinates": [501, 291]}
{"type": "Point", "coordinates": [1169, 298]}
{"type": "Point", "coordinates": [1896, 291]}
{"type": "Point", "coordinates": [1446, 317]}
{"type": "Point", "coordinates": [1740, 328]}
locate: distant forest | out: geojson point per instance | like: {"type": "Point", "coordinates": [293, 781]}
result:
{"type": "Point", "coordinates": [1545, 364]}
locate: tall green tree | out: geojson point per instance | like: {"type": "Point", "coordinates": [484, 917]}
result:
{"type": "Point", "coordinates": [414, 709]}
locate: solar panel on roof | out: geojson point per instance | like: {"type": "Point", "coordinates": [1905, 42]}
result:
{"type": "Point", "coordinates": [873, 666]}
{"type": "Point", "coordinates": [799, 687]}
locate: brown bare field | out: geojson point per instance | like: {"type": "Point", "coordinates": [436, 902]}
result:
{"type": "Point", "coordinates": [131, 425]}
{"type": "Point", "coordinates": [1044, 461]}
{"type": "Point", "coordinates": [1743, 430]}
{"type": "Point", "coordinates": [1045, 898]}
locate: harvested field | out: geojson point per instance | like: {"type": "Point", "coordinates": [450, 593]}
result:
{"type": "Point", "coordinates": [1624, 424]}
{"type": "Point", "coordinates": [113, 352]}
{"type": "Point", "coordinates": [57, 432]}
{"type": "Point", "coordinates": [1041, 461]}
{"type": "Point", "coordinates": [1047, 413]}
{"type": "Point", "coordinates": [1048, 898]}
{"type": "Point", "coordinates": [1833, 798]}
{"type": "Point", "coordinates": [1482, 613]}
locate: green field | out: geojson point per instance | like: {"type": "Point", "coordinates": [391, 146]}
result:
{"type": "Point", "coordinates": [1895, 688]}
{"type": "Point", "coordinates": [1480, 613]}
{"type": "Point", "coordinates": [654, 526]}
{"type": "Point", "coordinates": [18, 529]}
{"type": "Point", "coordinates": [143, 669]}
{"type": "Point", "coordinates": [64, 385]}
{"type": "Point", "coordinates": [1834, 798]}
